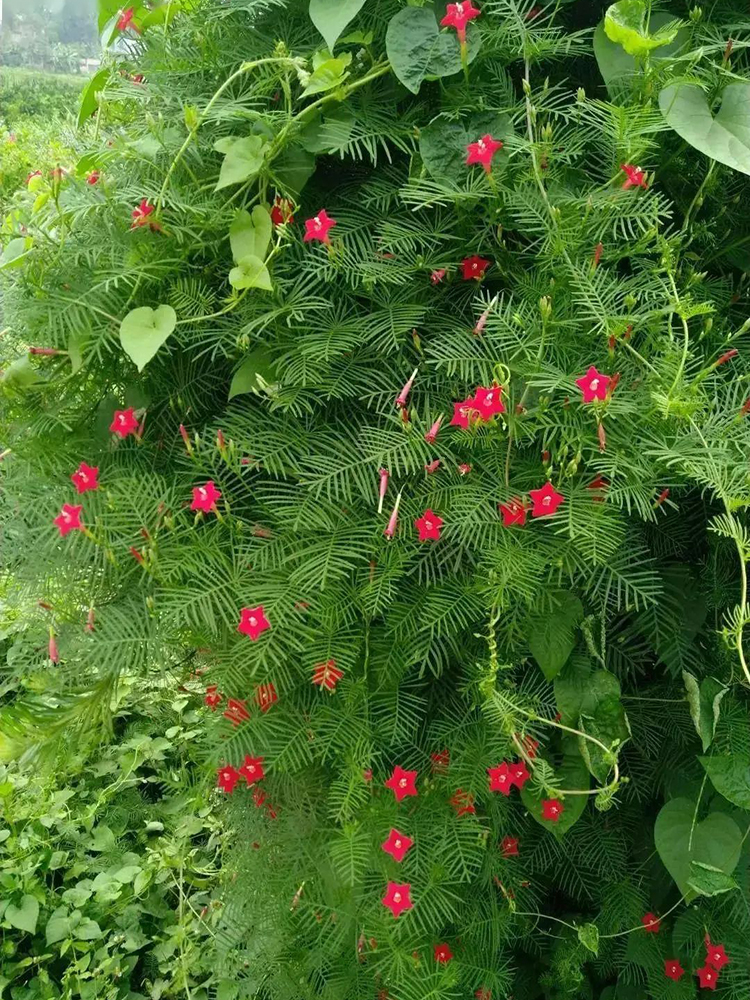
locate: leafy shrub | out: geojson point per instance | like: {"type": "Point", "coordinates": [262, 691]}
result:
{"type": "Point", "coordinates": [109, 857]}
{"type": "Point", "coordinates": [262, 242]}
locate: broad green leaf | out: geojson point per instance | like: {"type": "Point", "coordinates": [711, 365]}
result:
{"type": "Point", "coordinates": [572, 775]}
{"type": "Point", "coordinates": [144, 330]}
{"type": "Point", "coordinates": [626, 23]}
{"type": "Point", "coordinates": [89, 97]}
{"type": "Point", "coordinates": [551, 635]}
{"type": "Point", "coordinates": [329, 74]}
{"type": "Point", "coordinates": [14, 253]}
{"type": "Point", "coordinates": [707, 880]}
{"type": "Point", "coordinates": [724, 136]}
{"type": "Point", "coordinates": [102, 839]}
{"type": "Point", "coordinates": [250, 235]}
{"type": "Point", "coordinates": [24, 916]}
{"type": "Point", "coordinates": [617, 67]}
{"type": "Point", "coordinates": [330, 17]}
{"type": "Point", "coordinates": [442, 144]}
{"type": "Point", "coordinates": [59, 926]}
{"type": "Point", "coordinates": [254, 374]}
{"type": "Point", "coordinates": [730, 776]}
{"type": "Point", "coordinates": [88, 930]}
{"type": "Point", "coordinates": [588, 935]}
{"type": "Point", "coordinates": [591, 702]}
{"type": "Point", "coordinates": [250, 272]}
{"type": "Point", "coordinates": [127, 873]}
{"type": "Point", "coordinates": [716, 841]}
{"type": "Point", "coordinates": [243, 158]}
{"type": "Point", "coordinates": [417, 49]}
{"type": "Point", "coordinates": [227, 989]}
{"type": "Point", "coordinates": [704, 702]}
{"type": "Point", "coordinates": [293, 168]}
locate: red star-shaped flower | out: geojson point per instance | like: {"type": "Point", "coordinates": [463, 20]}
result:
{"type": "Point", "coordinates": [213, 697]}
{"type": "Point", "coordinates": [500, 778]}
{"type": "Point", "coordinates": [84, 478]}
{"type": "Point", "coordinates": [716, 956]}
{"type": "Point", "coordinates": [597, 483]}
{"type": "Point", "coordinates": [253, 622]}
{"type": "Point", "coordinates": [440, 761]}
{"type": "Point", "coordinates": [443, 954]}
{"type": "Point", "coordinates": [651, 922]}
{"type": "Point", "coordinates": [593, 385]}
{"type": "Point", "coordinates": [265, 696]}
{"type": "Point", "coordinates": [327, 675]}
{"type": "Point", "coordinates": [205, 497]}
{"type": "Point", "coordinates": [252, 770]}
{"type": "Point", "coordinates": [282, 211]}
{"type": "Point", "coordinates": [552, 809]}
{"type": "Point", "coordinates": [673, 969]}
{"type": "Point", "coordinates": [318, 227]}
{"type": "Point", "coordinates": [125, 20]}
{"type": "Point", "coordinates": [437, 276]}
{"type": "Point", "coordinates": [509, 846]}
{"type": "Point", "coordinates": [92, 177]}
{"type": "Point", "coordinates": [397, 845]}
{"type": "Point", "coordinates": [428, 526]}
{"type": "Point", "coordinates": [529, 744]}
{"type": "Point", "coordinates": [519, 774]}
{"type": "Point", "coordinates": [227, 777]}
{"type": "Point", "coordinates": [708, 977]}
{"type": "Point", "coordinates": [69, 519]}
{"type": "Point", "coordinates": [635, 177]}
{"type": "Point", "coordinates": [483, 993]}
{"type": "Point", "coordinates": [482, 151]}
{"type": "Point", "coordinates": [141, 214]}
{"type": "Point", "coordinates": [463, 413]}
{"type": "Point", "coordinates": [397, 898]}
{"type": "Point", "coordinates": [514, 512]}
{"type": "Point", "coordinates": [546, 500]}
{"type": "Point", "coordinates": [474, 267]}
{"type": "Point", "coordinates": [463, 803]}
{"type": "Point", "coordinates": [488, 402]}
{"type": "Point", "coordinates": [458, 16]}
{"type": "Point", "coordinates": [402, 782]}
{"type": "Point", "coordinates": [124, 422]}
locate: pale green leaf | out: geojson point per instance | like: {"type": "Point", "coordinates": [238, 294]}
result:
{"type": "Point", "coordinates": [588, 935]}
{"type": "Point", "coordinates": [329, 74]}
{"type": "Point", "coordinates": [704, 702]}
{"type": "Point", "coordinates": [144, 330]}
{"type": "Point", "coordinates": [250, 235]}
{"type": "Point", "coordinates": [724, 136]}
{"type": "Point", "coordinates": [330, 17]}
{"type": "Point", "coordinates": [680, 839]}
{"type": "Point", "coordinates": [250, 272]}
{"type": "Point", "coordinates": [627, 24]}
{"type": "Point", "coordinates": [24, 915]}
{"type": "Point", "coordinates": [14, 253]}
{"type": "Point", "coordinates": [243, 158]}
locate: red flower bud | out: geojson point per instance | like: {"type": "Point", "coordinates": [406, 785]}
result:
{"type": "Point", "coordinates": [727, 356]}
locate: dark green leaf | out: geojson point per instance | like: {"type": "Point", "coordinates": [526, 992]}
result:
{"type": "Point", "coordinates": [89, 97]}
{"type": "Point", "coordinates": [417, 49]}
{"type": "Point", "coordinates": [551, 636]}
{"type": "Point", "coordinates": [716, 841]}
{"type": "Point", "coordinates": [730, 776]}
{"type": "Point", "coordinates": [571, 775]}
{"type": "Point", "coordinates": [704, 702]}
{"type": "Point", "coordinates": [254, 374]}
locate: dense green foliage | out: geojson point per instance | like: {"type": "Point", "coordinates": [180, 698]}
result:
{"type": "Point", "coordinates": [602, 646]}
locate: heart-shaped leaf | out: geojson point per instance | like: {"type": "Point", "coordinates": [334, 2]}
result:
{"type": "Point", "coordinates": [715, 841]}
{"type": "Point", "coordinates": [591, 702]}
{"type": "Point", "coordinates": [250, 272]}
{"type": "Point", "coordinates": [293, 168]}
{"type": "Point", "coordinates": [243, 158]}
{"type": "Point", "coordinates": [254, 374]}
{"type": "Point", "coordinates": [707, 880]}
{"type": "Point", "coordinates": [144, 330]}
{"type": "Point", "coordinates": [588, 935]}
{"type": "Point", "coordinates": [730, 776]}
{"type": "Point", "coordinates": [552, 637]}
{"type": "Point", "coordinates": [627, 24]}
{"type": "Point", "coordinates": [249, 234]}
{"type": "Point", "coordinates": [725, 136]}
{"type": "Point", "coordinates": [89, 101]}
{"type": "Point", "coordinates": [572, 775]}
{"type": "Point", "coordinates": [24, 915]}
{"type": "Point", "coordinates": [417, 49]}
{"type": "Point", "coordinates": [330, 17]}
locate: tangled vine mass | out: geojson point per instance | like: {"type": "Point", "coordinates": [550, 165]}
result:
{"type": "Point", "coordinates": [376, 384]}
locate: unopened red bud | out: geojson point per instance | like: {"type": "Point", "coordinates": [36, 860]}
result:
{"type": "Point", "coordinates": [598, 250]}
{"type": "Point", "coordinates": [46, 351]}
{"type": "Point", "coordinates": [745, 408]}
{"type": "Point", "coordinates": [136, 554]}
{"type": "Point", "coordinates": [727, 356]}
{"type": "Point", "coordinates": [662, 497]}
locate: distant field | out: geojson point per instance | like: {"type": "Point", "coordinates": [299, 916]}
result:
{"type": "Point", "coordinates": [28, 93]}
